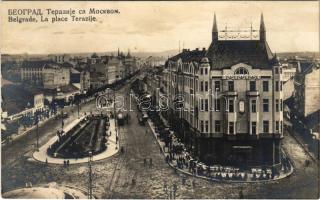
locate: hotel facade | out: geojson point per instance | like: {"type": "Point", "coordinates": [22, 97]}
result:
{"type": "Point", "coordinates": [232, 100]}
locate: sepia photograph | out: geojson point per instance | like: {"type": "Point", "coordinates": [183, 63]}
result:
{"type": "Point", "coordinates": [160, 99]}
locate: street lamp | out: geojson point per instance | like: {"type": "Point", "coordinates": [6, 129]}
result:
{"type": "Point", "coordinates": [37, 123]}
{"type": "Point", "coordinates": [78, 102]}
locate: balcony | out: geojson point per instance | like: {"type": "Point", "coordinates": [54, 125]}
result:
{"type": "Point", "coordinates": [231, 93]}
{"type": "Point", "coordinates": [253, 93]}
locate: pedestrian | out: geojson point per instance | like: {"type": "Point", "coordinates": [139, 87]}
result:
{"type": "Point", "coordinates": [183, 180]}
{"type": "Point", "coordinates": [46, 161]}
{"type": "Point", "coordinates": [193, 183]}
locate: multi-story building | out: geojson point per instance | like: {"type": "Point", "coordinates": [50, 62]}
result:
{"type": "Point", "coordinates": [232, 97]}
{"type": "Point", "coordinates": [307, 88]}
{"type": "Point", "coordinates": [288, 72]}
{"type": "Point", "coordinates": [84, 81]}
{"type": "Point", "coordinates": [114, 70]}
{"type": "Point", "coordinates": [80, 78]}
{"type": "Point", "coordinates": [19, 100]}
{"type": "Point", "coordinates": [55, 75]}
{"type": "Point", "coordinates": [31, 71]}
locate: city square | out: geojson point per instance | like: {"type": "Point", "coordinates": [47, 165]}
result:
{"type": "Point", "coordinates": [231, 120]}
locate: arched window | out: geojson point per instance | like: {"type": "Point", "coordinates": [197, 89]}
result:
{"type": "Point", "coordinates": [241, 71]}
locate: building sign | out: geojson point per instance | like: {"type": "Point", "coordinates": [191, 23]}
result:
{"type": "Point", "coordinates": [240, 77]}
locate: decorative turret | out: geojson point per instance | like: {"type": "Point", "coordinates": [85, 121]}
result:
{"type": "Point", "coordinates": [275, 60]}
{"type": "Point", "coordinates": [214, 29]}
{"type": "Point", "coordinates": [262, 29]}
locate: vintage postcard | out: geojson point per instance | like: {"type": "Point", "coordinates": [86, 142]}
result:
{"type": "Point", "coordinates": [160, 99]}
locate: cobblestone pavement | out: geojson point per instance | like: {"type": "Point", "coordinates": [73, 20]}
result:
{"type": "Point", "coordinates": [126, 176]}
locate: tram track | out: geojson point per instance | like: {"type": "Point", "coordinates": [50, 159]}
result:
{"type": "Point", "coordinates": [119, 165]}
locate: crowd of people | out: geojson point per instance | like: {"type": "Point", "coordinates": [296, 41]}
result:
{"type": "Point", "coordinates": [178, 156]}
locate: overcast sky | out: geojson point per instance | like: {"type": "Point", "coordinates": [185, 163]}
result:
{"type": "Point", "coordinates": [159, 26]}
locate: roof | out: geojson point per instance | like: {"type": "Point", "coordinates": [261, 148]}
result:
{"type": "Point", "coordinates": [74, 71]}
{"type": "Point", "coordinates": [306, 67]}
{"type": "Point", "coordinates": [68, 88]}
{"type": "Point", "coordinates": [226, 53]}
{"type": "Point", "coordinates": [54, 66]}
{"type": "Point", "coordinates": [16, 98]}
{"type": "Point", "coordinates": [188, 56]}
{"type": "Point", "coordinates": [36, 63]}
{"type": "Point", "coordinates": [67, 65]}
{"type": "Point", "coordinates": [79, 69]}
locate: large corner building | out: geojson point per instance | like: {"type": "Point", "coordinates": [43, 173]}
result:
{"type": "Point", "coordinates": [233, 100]}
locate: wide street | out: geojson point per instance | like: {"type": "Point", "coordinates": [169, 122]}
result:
{"type": "Point", "coordinates": [126, 176]}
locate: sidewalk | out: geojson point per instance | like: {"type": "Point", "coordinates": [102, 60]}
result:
{"type": "Point", "coordinates": [220, 173]}
{"type": "Point", "coordinates": [19, 134]}
{"type": "Point", "coordinates": [112, 147]}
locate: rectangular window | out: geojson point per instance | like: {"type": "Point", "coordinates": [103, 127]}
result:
{"type": "Point", "coordinates": [277, 126]}
{"type": "Point", "coordinates": [206, 71]}
{"type": "Point", "coordinates": [266, 126]}
{"type": "Point", "coordinates": [253, 105]}
{"type": "Point", "coordinates": [231, 105]}
{"type": "Point", "coordinates": [230, 86]}
{"type": "Point", "coordinates": [207, 126]}
{"type": "Point", "coordinates": [280, 85]}
{"type": "Point", "coordinates": [217, 104]}
{"type": "Point", "coordinates": [276, 70]}
{"type": "Point", "coordinates": [217, 126]}
{"type": "Point", "coordinates": [201, 105]}
{"type": "Point", "coordinates": [217, 86]}
{"type": "Point", "coordinates": [201, 71]}
{"type": "Point", "coordinates": [231, 127]}
{"type": "Point", "coordinates": [206, 104]}
{"type": "Point", "coordinates": [265, 105]}
{"type": "Point", "coordinates": [281, 104]}
{"type": "Point", "coordinates": [201, 126]}
{"type": "Point", "coordinates": [206, 86]}
{"type": "Point", "coordinates": [277, 86]}
{"type": "Point", "coordinates": [254, 127]}
{"type": "Point", "coordinates": [252, 86]}
{"type": "Point", "coordinates": [201, 86]}
{"type": "Point", "coordinates": [265, 85]}
{"type": "Point", "coordinates": [277, 105]}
